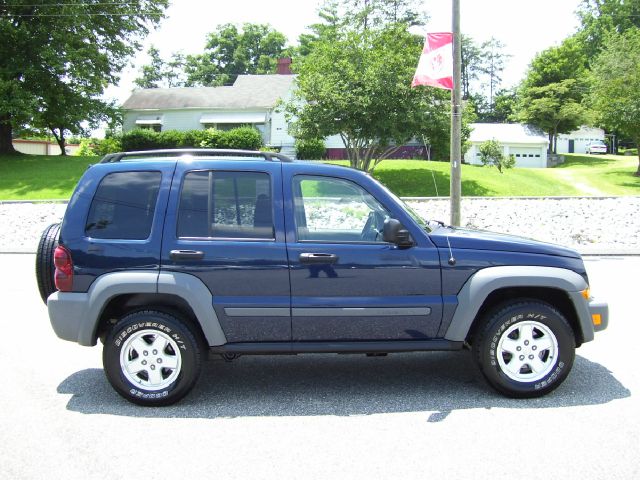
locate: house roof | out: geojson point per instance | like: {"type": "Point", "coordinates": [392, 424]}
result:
{"type": "Point", "coordinates": [248, 91]}
{"type": "Point", "coordinates": [507, 133]}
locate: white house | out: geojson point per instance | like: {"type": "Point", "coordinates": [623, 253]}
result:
{"type": "Point", "coordinates": [251, 100]}
{"type": "Point", "coordinates": [577, 141]}
{"type": "Point", "coordinates": [527, 144]}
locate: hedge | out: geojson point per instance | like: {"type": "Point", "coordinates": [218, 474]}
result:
{"type": "Point", "coordinates": [247, 138]}
{"type": "Point", "coordinates": [313, 149]}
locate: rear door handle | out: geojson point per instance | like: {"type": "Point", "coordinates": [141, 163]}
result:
{"type": "Point", "coordinates": [186, 255]}
{"type": "Point", "coordinates": [318, 258]}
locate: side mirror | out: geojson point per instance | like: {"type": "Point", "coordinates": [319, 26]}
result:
{"type": "Point", "coordinates": [394, 232]}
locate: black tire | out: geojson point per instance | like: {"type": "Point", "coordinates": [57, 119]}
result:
{"type": "Point", "coordinates": [44, 260]}
{"type": "Point", "coordinates": [527, 326]}
{"type": "Point", "coordinates": [135, 332]}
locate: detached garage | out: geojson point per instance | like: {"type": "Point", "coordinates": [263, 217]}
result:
{"type": "Point", "coordinates": [527, 144]}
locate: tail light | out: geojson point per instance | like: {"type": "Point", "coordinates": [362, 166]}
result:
{"type": "Point", "coordinates": [64, 269]}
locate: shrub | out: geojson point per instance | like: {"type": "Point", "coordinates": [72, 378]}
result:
{"type": "Point", "coordinates": [87, 148]}
{"type": "Point", "coordinates": [491, 154]}
{"type": "Point", "coordinates": [212, 138]}
{"type": "Point", "coordinates": [246, 138]}
{"type": "Point", "coordinates": [193, 138]}
{"type": "Point", "coordinates": [139, 139]}
{"type": "Point", "coordinates": [108, 145]}
{"type": "Point", "coordinates": [170, 139]}
{"type": "Point", "coordinates": [312, 149]}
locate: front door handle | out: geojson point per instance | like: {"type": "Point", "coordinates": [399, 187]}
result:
{"type": "Point", "coordinates": [318, 258]}
{"type": "Point", "coordinates": [186, 255]}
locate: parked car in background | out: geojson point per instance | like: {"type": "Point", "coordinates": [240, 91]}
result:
{"type": "Point", "coordinates": [597, 147]}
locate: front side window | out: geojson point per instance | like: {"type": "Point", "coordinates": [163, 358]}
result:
{"type": "Point", "coordinates": [215, 204]}
{"type": "Point", "coordinates": [336, 210]}
{"type": "Point", "coordinates": [123, 206]}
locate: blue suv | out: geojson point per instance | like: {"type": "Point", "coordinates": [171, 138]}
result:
{"type": "Point", "coordinates": [170, 256]}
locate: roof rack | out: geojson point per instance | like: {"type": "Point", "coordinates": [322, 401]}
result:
{"type": "Point", "coordinates": [201, 152]}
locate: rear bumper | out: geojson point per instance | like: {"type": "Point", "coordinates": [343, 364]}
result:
{"type": "Point", "coordinates": [68, 313]}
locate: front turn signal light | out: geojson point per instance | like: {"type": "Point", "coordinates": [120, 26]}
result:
{"type": "Point", "coordinates": [586, 293]}
{"type": "Point", "coordinates": [596, 318]}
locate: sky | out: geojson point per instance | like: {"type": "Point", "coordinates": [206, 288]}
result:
{"type": "Point", "coordinates": [526, 27]}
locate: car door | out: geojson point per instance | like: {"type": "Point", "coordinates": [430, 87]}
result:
{"type": "Point", "coordinates": [225, 226]}
{"type": "Point", "coordinates": [347, 284]}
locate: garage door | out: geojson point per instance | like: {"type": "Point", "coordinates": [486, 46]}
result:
{"type": "Point", "coordinates": [527, 157]}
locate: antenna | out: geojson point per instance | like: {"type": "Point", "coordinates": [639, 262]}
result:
{"type": "Point", "coordinates": [452, 261]}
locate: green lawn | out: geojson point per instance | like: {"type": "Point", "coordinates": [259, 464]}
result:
{"type": "Point", "coordinates": [31, 177]}
{"type": "Point", "coordinates": [579, 175]}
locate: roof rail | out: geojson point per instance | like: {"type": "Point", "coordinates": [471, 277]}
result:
{"type": "Point", "coordinates": [202, 152]}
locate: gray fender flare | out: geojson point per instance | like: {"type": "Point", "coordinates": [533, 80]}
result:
{"type": "Point", "coordinates": [197, 295]}
{"type": "Point", "coordinates": [75, 316]}
{"type": "Point", "coordinates": [480, 285]}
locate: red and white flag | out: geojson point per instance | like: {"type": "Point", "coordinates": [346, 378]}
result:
{"type": "Point", "coordinates": [435, 68]}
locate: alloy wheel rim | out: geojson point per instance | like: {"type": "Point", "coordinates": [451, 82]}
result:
{"type": "Point", "coordinates": [527, 351]}
{"type": "Point", "coordinates": [150, 359]}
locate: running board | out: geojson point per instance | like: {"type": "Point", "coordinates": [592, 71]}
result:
{"type": "Point", "coordinates": [268, 348]}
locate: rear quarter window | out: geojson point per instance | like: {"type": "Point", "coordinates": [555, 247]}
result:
{"type": "Point", "coordinates": [123, 206]}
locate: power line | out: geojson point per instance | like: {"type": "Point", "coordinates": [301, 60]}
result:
{"type": "Point", "coordinates": [4, 15]}
{"type": "Point", "coordinates": [79, 4]}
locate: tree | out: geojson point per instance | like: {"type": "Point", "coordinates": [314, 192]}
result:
{"type": "Point", "coordinates": [504, 106]}
{"type": "Point", "coordinates": [551, 94]}
{"type": "Point", "coordinates": [75, 48]}
{"type": "Point", "coordinates": [378, 13]}
{"type": "Point", "coordinates": [616, 83]}
{"type": "Point", "coordinates": [599, 18]}
{"type": "Point", "coordinates": [471, 56]}
{"type": "Point", "coordinates": [491, 154]}
{"type": "Point", "coordinates": [357, 86]}
{"type": "Point", "coordinates": [152, 73]}
{"type": "Point", "coordinates": [553, 108]}
{"type": "Point", "coordinates": [65, 107]}
{"type": "Point", "coordinates": [229, 52]}
{"type": "Point", "coordinates": [158, 73]}
{"type": "Point", "coordinates": [493, 63]}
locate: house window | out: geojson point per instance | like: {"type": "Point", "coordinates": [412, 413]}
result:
{"type": "Point", "coordinates": [226, 126]}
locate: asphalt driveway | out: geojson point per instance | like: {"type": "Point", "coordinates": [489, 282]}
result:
{"type": "Point", "coordinates": [425, 415]}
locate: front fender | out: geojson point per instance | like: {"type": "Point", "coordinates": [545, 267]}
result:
{"type": "Point", "coordinates": [479, 286]}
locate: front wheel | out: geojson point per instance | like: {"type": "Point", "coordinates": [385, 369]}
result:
{"type": "Point", "coordinates": [151, 358]}
{"type": "Point", "coordinates": [525, 349]}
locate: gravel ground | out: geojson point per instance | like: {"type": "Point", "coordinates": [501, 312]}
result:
{"type": "Point", "coordinates": [591, 225]}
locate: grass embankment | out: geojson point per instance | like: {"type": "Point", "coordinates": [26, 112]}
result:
{"type": "Point", "coordinates": [579, 175]}
{"type": "Point", "coordinates": [38, 177]}
{"type": "Point", "coordinates": [32, 177]}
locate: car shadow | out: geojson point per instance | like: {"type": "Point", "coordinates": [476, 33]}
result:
{"type": "Point", "coordinates": [341, 385]}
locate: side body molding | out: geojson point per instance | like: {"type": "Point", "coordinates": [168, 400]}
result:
{"type": "Point", "coordinates": [481, 284]}
{"type": "Point", "coordinates": [198, 296]}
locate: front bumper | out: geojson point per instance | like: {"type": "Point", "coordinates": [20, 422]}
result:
{"type": "Point", "coordinates": [599, 313]}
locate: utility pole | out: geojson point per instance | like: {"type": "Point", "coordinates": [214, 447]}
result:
{"type": "Point", "coordinates": [456, 119]}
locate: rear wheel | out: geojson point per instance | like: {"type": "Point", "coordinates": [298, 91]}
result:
{"type": "Point", "coordinates": [525, 349]}
{"type": "Point", "coordinates": [151, 358]}
{"type": "Point", "coordinates": [44, 260]}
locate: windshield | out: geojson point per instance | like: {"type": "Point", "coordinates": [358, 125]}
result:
{"type": "Point", "coordinates": [412, 213]}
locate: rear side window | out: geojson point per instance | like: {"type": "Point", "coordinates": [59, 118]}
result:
{"type": "Point", "coordinates": [123, 206]}
{"type": "Point", "coordinates": [217, 204]}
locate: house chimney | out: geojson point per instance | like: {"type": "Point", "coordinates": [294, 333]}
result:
{"type": "Point", "coordinates": [284, 66]}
